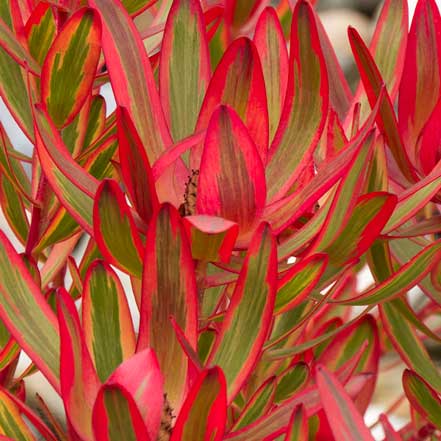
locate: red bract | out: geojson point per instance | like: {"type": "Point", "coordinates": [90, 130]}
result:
{"type": "Point", "coordinates": [239, 187]}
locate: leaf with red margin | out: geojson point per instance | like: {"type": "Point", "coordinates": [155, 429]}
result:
{"type": "Point", "coordinates": [259, 404]}
{"type": "Point", "coordinates": [204, 412]}
{"type": "Point", "coordinates": [212, 238]}
{"type": "Point", "coordinates": [231, 180]}
{"type": "Point", "coordinates": [298, 282]}
{"type": "Point", "coordinates": [167, 292]}
{"type": "Point", "coordinates": [248, 317]}
{"type": "Point", "coordinates": [307, 89]}
{"type": "Point", "coordinates": [114, 229]}
{"type": "Point", "coordinates": [135, 167]}
{"type": "Point", "coordinates": [96, 120]}
{"type": "Point", "coordinates": [110, 342]}
{"type": "Point", "coordinates": [388, 48]}
{"type": "Point", "coordinates": [11, 422]}
{"type": "Point", "coordinates": [40, 31]}
{"type": "Point", "coordinates": [402, 280]}
{"type": "Point", "coordinates": [340, 95]}
{"type": "Point", "coordinates": [74, 187]}
{"type": "Point", "coordinates": [386, 119]}
{"type": "Point", "coordinates": [271, 46]}
{"type": "Point", "coordinates": [390, 434]}
{"type": "Point", "coordinates": [26, 314]}
{"type": "Point", "coordinates": [298, 429]}
{"type": "Point", "coordinates": [238, 13]}
{"type": "Point", "coordinates": [116, 416]}
{"type": "Point", "coordinates": [239, 83]}
{"type": "Point", "coordinates": [422, 397]}
{"type": "Point", "coordinates": [185, 70]}
{"type": "Point", "coordinates": [408, 345]}
{"type": "Point", "coordinates": [420, 88]}
{"type": "Point", "coordinates": [141, 377]}
{"type": "Point", "coordinates": [69, 68]}
{"type": "Point", "coordinates": [131, 76]}
{"type": "Point", "coordinates": [135, 7]}
{"type": "Point", "coordinates": [339, 407]}
{"type": "Point", "coordinates": [78, 378]}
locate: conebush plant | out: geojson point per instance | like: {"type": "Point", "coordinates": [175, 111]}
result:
{"type": "Point", "coordinates": [241, 186]}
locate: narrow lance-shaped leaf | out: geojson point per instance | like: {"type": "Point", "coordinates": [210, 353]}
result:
{"type": "Point", "coordinates": [116, 416]}
{"type": "Point", "coordinates": [26, 314]}
{"type": "Point", "coordinates": [131, 75]}
{"type": "Point", "coordinates": [79, 381]}
{"type": "Point", "coordinates": [135, 167]}
{"type": "Point", "coordinates": [239, 83]}
{"type": "Point", "coordinates": [167, 292]}
{"type": "Point", "coordinates": [422, 397]}
{"type": "Point", "coordinates": [386, 119]}
{"type": "Point", "coordinates": [114, 229]}
{"type": "Point", "coordinates": [298, 425]}
{"type": "Point", "coordinates": [231, 181]}
{"type": "Point", "coordinates": [307, 89]}
{"type": "Point", "coordinates": [203, 414]}
{"type": "Point", "coordinates": [339, 407]}
{"type": "Point", "coordinates": [271, 46]}
{"type": "Point", "coordinates": [422, 67]}
{"type": "Point", "coordinates": [247, 320]}
{"type": "Point", "coordinates": [69, 67]}
{"type": "Point", "coordinates": [184, 67]}
{"type": "Point", "coordinates": [110, 342]}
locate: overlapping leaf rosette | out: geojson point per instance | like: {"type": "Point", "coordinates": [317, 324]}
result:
{"type": "Point", "coordinates": [241, 186]}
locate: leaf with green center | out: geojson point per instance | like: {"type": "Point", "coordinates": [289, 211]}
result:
{"type": "Point", "coordinates": [298, 282]}
{"type": "Point", "coordinates": [74, 187]}
{"type": "Point", "coordinates": [107, 323]}
{"type": "Point", "coordinates": [26, 314]}
{"type": "Point", "coordinates": [69, 67]}
{"type": "Point", "coordinates": [238, 82]}
{"type": "Point", "coordinates": [135, 167]}
{"type": "Point", "coordinates": [115, 231]}
{"type": "Point", "coordinates": [96, 120]}
{"type": "Point", "coordinates": [386, 119]}
{"type": "Point", "coordinates": [212, 238]}
{"type": "Point", "coordinates": [422, 397]}
{"type": "Point", "coordinates": [408, 345]}
{"type": "Point", "coordinates": [339, 407]}
{"type": "Point", "coordinates": [422, 68]}
{"type": "Point", "coordinates": [78, 378]}
{"type": "Point", "coordinates": [135, 7]}
{"type": "Point", "coordinates": [259, 404]}
{"type": "Point", "coordinates": [271, 46]}
{"type": "Point", "coordinates": [185, 70]}
{"type": "Point", "coordinates": [116, 416]}
{"type": "Point", "coordinates": [388, 47]}
{"type": "Point", "coordinates": [204, 412]}
{"type": "Point", "coordinates": [11, 422]}
{"type": "Point", "coordinates": [403, 280]}
{"type": "Point", "coordinates": [231, 181]}
{"type": "Point", "coordinates": [167, 292]}
{"type": "Point", "coordinates": [307, 89]}
{"type": "Point", "coordinates": [298, 426]}
{"type": "Point", "coordinates": [291, 382]}
{"type": "Point", "coordinates": [131, 76]}
{"type": "Point", "coordinates": [40, 31]}
{"type": "Point", "coordinates": [141, 377]}
{"type": "Point", "coordinates": [248, 317]}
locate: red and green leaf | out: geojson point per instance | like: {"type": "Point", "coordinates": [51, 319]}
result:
{"type": "Point", "coordinates": [70, 65]}
{"type": "Point", "coordinates": [298, 429]}
{"type": "Point", "coordinates": [184, 67]}
{"type": "Point", "coordinates": [167, 292]}
{"type": "Point", "coordinates": [110, 342]}
{"type": "Point", "coordinates": [307, 89]}
{"type": "Point", "coordinates": [135, 167]}
{"type": "Point", "coordinates": [271, 46]}
{"type": "Point", "coordinates": [339, 407]}
{"type": "Point", "coordinates": [115, 231]}
{"type": "Point", "coordinates": [231, 181]}
{"type": "Point", "coordinates": [203, 414]}
{"type": "Point", "coordinates": [248, 318]}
